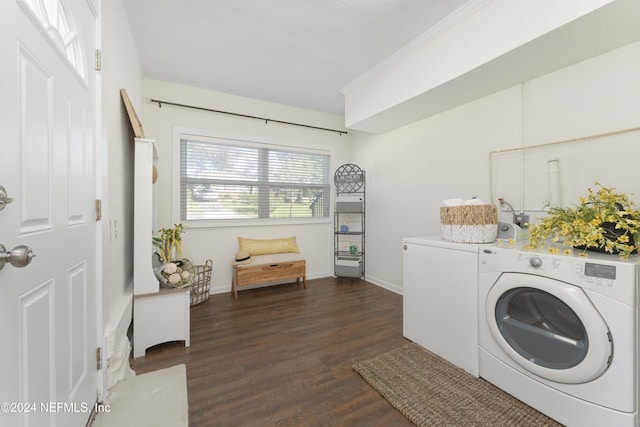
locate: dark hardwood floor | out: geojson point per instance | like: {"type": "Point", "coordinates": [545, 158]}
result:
{"type": "Point", "coordinates": [283, 356]}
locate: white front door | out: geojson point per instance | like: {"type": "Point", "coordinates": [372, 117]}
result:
{"type": "Point", "coordinates": [48, 308]}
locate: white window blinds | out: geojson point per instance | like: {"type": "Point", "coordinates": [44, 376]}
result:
{"type": "Point", "coordinates": [223, 180]}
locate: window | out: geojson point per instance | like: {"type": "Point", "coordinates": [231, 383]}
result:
{"type": "Point", "coordinates": [234, 180]}
{"type": "Point", "coordinates": [56, 22]}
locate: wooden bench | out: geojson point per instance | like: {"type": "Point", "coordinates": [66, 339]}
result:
{"type": "Point", "coordinates": [268, 268]}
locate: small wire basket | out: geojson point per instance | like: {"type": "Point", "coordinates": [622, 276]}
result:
{"type": "Point", "coordinates": [200, 284]}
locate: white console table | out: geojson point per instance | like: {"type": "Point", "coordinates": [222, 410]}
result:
{"type": "Point", "coordinates": [159, 315]}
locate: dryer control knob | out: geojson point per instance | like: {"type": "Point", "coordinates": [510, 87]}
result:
{"type": "Point", "coordinates": [535, 261]}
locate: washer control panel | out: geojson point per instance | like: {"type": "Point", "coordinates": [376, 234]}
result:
{"type": "Point", "coordinates": [596, 273]}
{"type": "Point", "coordinates": [600, 270]}
{"type": "Point", "coordinates": [608, 275]}
{"type": "Point", "coordinates": [535, 261]}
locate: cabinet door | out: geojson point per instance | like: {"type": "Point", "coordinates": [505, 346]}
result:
{"type": "Point", "coordinates": [440, 302]}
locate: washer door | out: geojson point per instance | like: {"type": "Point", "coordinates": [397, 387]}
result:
{"type": "Point", "coordinates": [548, 327]}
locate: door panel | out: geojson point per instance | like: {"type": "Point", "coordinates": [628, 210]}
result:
{"type": "Point", "coordinates": [36, 344]}
{"type": "Point", "coordinates": [48, 313]}
{"type": "Point", "coordinates": [77, 163]}
{"type": "Point", "coordinates": [78, 369]}
{"type": "Point", "coordinates": [35, 117]}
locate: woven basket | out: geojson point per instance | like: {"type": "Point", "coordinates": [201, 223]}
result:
{"type": "Point", "coordinates": [469, 223]}
{"type": "Point", "coordinates": [200, 285]}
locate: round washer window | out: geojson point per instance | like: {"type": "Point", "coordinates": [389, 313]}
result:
{"type": "Point", "coordinates": [548, 327]}
{"type": "Point", "coordinates": [541, 328]}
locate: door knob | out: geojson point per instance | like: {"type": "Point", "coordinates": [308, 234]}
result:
{"type": "Point", "coordinates": [4, 200]}
{"type": "Point", "coordinates": [18, 257]}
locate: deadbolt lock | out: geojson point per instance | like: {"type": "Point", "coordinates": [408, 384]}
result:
{"type": "Point", "coordinates": [4, 200]}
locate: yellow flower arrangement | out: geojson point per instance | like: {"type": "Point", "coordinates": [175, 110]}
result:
{"type": "Point", "coordinates": [169, 237]}
{"type": "Point", "coordinates": [604, 221]}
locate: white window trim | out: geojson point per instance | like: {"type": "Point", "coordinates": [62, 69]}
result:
{"type": "Point", "coordinates": [180, 133]}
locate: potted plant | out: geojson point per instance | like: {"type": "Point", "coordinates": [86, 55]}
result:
{"type": "Point", "coordinates": [169, 242]}
{"type": "Point", "coordinates": [174, 271]}
{"type": "Point", "coordinates": [604, 221]}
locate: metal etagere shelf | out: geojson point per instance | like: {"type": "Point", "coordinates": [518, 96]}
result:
{"type": "Point", "coordinates": [349, 222]}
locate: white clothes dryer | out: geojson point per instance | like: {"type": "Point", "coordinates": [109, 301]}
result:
{"type": "Point", "coordinates": [440, 298]}
{"type": "Point", "coordinates": [560, 333]}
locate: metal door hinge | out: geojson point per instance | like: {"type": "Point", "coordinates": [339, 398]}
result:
{"type": "Point", "coordinates": [98, 65]}
{"type": "Point", "coordinates": [98, 209]}
{"type": "Point", "coordinates": [99, 358]}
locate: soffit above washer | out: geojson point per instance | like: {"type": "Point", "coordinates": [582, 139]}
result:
{"type": "Point", "coordinates": [606, 28]}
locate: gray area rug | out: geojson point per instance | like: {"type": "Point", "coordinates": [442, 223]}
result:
{"type": "Point", "coordinates": [154, 399]}
{"type": "Point", "coordinates": [430, 391]}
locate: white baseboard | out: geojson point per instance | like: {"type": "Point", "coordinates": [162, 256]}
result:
{"type": "Point", "coordinates": [386, 285]}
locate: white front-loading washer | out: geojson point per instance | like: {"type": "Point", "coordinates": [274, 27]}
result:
{"type": "Point", "coordinates": [559, 332]}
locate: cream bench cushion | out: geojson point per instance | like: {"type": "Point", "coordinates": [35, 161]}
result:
{"type": "Point", "coordinates": [268, 246]}
{"type": "Point", "coordinates": [273, 259]}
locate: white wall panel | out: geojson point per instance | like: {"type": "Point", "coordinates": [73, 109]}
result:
{"type": "Point", "coordinates": [116, 146]}
{"type": "Point", "coordinates": [595, 96]}
{"type": "Point", "coordinates": [591, 108]}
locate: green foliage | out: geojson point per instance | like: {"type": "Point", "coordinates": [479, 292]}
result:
{"type": "Point", "coordinates": [169, 237]}
{"type": "Point", "coordinates": [604, 219]}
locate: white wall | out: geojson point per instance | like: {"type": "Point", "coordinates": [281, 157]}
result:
{"type": "Point", "coordinates": [598, 96]}
{"type": "Point", "coordinates": [121, 68]}
{"type": "Point", "coordinates": [412, 169]}
{"type": "Point", "coordinates": [220, 243]}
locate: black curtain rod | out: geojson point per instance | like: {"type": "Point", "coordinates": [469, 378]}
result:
{"type": "Point", "coordinates": [266, 120]}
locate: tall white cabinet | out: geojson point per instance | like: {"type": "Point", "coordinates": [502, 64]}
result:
{"type": "Point", "coordinates": [159, 314]}
{"type": "Point", "coordinates": [440, 298]}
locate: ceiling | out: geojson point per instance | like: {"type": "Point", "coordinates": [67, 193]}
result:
{"type": "Point", "coordinates": [294, 52]}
